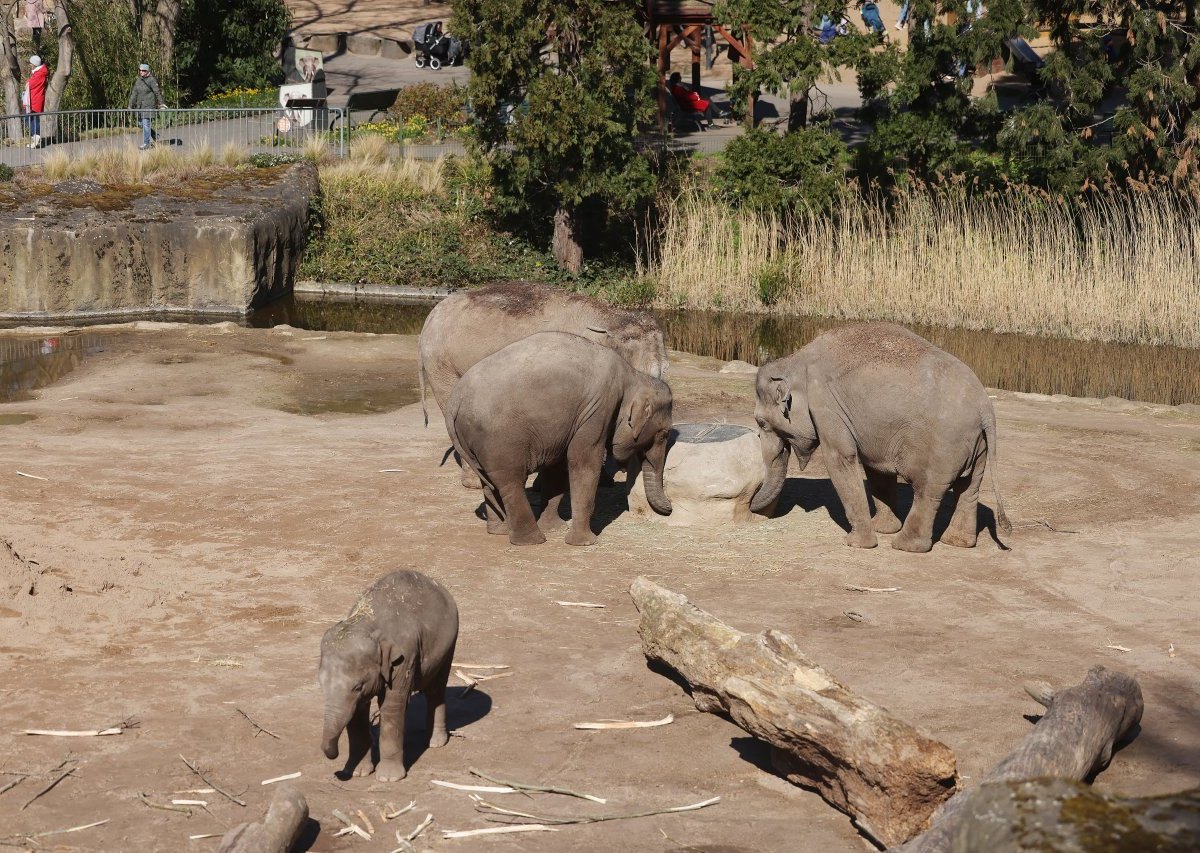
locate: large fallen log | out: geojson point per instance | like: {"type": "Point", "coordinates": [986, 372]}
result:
{"type": "Point", "coordinates": [1061, 816]}
{"type": "Point", "coordinates": [878, 769]}
{"type": "Point", "coordinates": [277, 832]}
{"type": "Point", "coordinates": [1073, 739]}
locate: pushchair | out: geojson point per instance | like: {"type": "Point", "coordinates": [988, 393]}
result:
{"type": "Point", "coordinates": [434, 48]}
{"type": "Point", "coordinates": [873, 21]}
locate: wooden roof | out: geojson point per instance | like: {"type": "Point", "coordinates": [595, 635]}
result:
{"type": "Point", "coordinates": [679, 11]}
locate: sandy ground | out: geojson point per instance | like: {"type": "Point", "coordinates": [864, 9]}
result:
{"type": "Point", "coordinates": [209, 507]}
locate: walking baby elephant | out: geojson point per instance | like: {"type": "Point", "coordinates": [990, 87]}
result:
{"type": "Point", "coordinates": [879, 395]}
{"type": "Point", "coordinates": [398, 639]}
{"type": "Point", "coordinates": [554, 403]}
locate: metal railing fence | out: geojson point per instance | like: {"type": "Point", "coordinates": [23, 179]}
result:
{"type": "Point", "coordinates": [79, 133]}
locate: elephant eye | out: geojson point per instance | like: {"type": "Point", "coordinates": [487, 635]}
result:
{"type": "Point", "coordinates": [358, 687]}
{"type": "Point", "coordinates": [762, 424]}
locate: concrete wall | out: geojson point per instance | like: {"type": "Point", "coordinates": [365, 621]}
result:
{"type": "Point", "coordinates": [217, 248]}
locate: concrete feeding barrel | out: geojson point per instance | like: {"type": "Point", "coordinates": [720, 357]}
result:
{"type": "Point", "coordinates": [713, 470]}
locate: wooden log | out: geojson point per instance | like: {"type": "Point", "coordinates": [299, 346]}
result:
{"type": "Point", "coordinates": [876, 768]}
{"type": "Point", "coordinates": [1061, 816]}
{"type": "Point", "coordinates": [277, 832]}
{"type": "Point", "coordinates": [1073, 739]}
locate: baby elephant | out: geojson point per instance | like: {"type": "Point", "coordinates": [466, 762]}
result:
{"type": "Point", "coordinates": [554, 402]}
{"type": "Point", "coordinates": [399, 638]}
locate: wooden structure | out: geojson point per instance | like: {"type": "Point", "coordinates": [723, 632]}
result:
{"type": "Point", "coordinates": [672, 22]}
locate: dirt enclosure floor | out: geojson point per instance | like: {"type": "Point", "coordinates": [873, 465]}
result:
{"type": "Point", "coordinates": [212, 501]}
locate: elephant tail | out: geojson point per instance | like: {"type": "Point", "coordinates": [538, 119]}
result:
{"type": "Point", "coordinates": [421, 382]}
{"type": "Point", "coordinates": [465, 455]}
{"type": "Point", "coordinates": [989, 434]}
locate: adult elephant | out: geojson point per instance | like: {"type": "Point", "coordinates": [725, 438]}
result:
{"type": "Point", "coordinates": [879, 395]}
{"type": "Point", "coordinates": [470, 325]}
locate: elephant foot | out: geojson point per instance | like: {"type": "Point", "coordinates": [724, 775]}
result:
{"type": "Point", "coordinates": [551, 521]}
{"type": "Point", "coordinates": [912, 543]}
{"type": "Point", "coordinates": [861, 539]}
{"type": "Point", "coordinates": [580, 537]}
{"type": "Point", "coordinates": [439, 739]}
{"type": "Point", "coordinates": [885, 523]}
{"type": "Point", "coordinates": [959, 539]}
{"type": "Point", "coordinates": [528, 537]}
{"type": "Point", "coordinates": [470, 480]}
{"type": "Point", "coordinates": [390, 770]}
{"type": "Point", "coordinates": [364, 768]}
{"type": "Point", "coordinates": [497, 527]}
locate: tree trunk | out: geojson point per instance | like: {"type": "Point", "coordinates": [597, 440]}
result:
{"type": "Point", "coordinates": [62, 72]}
{"type": "Point", "coordinates": [1073, 739]}
{"type": "Point", "coordinates": [10, 69]}
{"type": "Point", "coordinates": [878, 769]}
{"type": "Point", "coordinates": [567, 250]}
{"type": "Point", "coordinates": [277, 832]}
{"type": "Point", "coordinates": [798, 110]}
{"type": "Point", "coordinates": [158, 22]}
{"type": "Point", "coordinates": [1065, 817]}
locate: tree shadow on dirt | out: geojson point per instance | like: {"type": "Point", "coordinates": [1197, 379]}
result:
{"type": "Point", "coordinates": [810, 494]}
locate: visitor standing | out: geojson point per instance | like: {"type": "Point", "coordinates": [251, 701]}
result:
{"type": "Point", "coordinates": [146, 97]}
{"type": "Point", "coordinates": [35, 96]}
{"type": "Point", "coordinates": [35, 19]}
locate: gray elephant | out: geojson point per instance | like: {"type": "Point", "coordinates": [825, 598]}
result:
{"type": "Point", "coordinates": [879, 395]}
{"type": "Point", "coordinates": [398, 639]}
{"type": "Point", "coordinates": [553, 403]}
{"type": "Point", "coordinates": [471, 325]}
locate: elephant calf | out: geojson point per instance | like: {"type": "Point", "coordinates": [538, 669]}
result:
{"type": "Point", "coordinates": [879, 395]}
{"type": "Point", "coordinates": [553, 403]}
{"type": "Point", "coordinates": [398, 639]}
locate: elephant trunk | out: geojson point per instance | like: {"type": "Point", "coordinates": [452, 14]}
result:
{"type": "Point", "coordinates": [335, 724]}
{"type": "Point", "coordinates": [775, 459]}
{"type": "Point", "coordinates": [652, 481]}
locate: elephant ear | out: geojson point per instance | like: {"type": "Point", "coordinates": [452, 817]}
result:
{"type": "Point", "coordinates": [389, 658]}
{"type": "Point", "coordinates": [783, 396]}
{"type": "Point", "coordinates": [640, 410]}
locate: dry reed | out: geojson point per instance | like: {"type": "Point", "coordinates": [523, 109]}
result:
{"type": "Point", "coordinates": [125, 165]}
{"type": "Point", "coordinates": [1125, 269]}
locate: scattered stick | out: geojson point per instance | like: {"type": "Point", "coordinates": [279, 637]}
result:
{"type": "Point", "coordinates": [483, 665]}
{"type": "Point", "coordinates": [21, 779]}
{"type": "Point", "coordinates": [55, 781]}
{"type": "Point", "coordinates": [544, 789]}
{"type": "Point", "coordinates": [1040, 523]}
{"type": "Point", "coordinates": [212, 784]}
{"type": "Point", "coordinates": [363, 817]}
{"type": "Point", "coordinates": [62, 831]}
{"type": "Point", "coordinates": [256, 725]}
{"type": "Point", "coordinates": [392, 471]}
{"type": "Point", "coordinates": [167, 808]}
{"type": "Point", "coordinates": [856, 588]}
{"type": "Point", "coordinates": [397, 812]}
{"type": "Point", "coordinates": [356, 829]}
{"type": "Point", "coordinates": [497, 830]}
{"type": "Point", "coordinates": [295, 775]}
{"type": "Point", "coordinates": [484, 806]}
{"type": "Point", "coordinates": [853, 615]}
{"type": "Point", "coordinates": [32, 476]}
{"type": "Point", "coordinates": [1119, 648]}
{"type": "Point", "coordinates": [205, 835]}
{"type": "Point", "coordinates": [202, 803]}
{"type": "Point", "coordinates": [627, 724]}
{"type": "Point", "coordinates": [197, 791]}
{"type": "Point", "coordinates": [111, 730]}
{"type": "Point", "coordinates": [483, 789]}
{"type": "Point", "coordinates": [580, 604]}
{"type": "Point", "coordinates": [472, 681]}
{"type": "Point", "coordinates": [421, 827]}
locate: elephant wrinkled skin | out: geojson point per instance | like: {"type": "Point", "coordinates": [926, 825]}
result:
{"type": "Point", "coordinates": [398, 639]}
{"type": "Point", "coordinates": [879, 395]}
{"type": "Point", "coordinates": [468, 326]}
{"type": "Point", "coordinates": [554, 403]}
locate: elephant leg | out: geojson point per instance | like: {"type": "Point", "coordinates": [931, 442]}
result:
{"type": "Point", "coordinates": [584, 465]}
{"type": "Point", "coordinates": [468, 478]}
{"type": "Point", "coordinates": [435, 705]}
{"type": "Point", "coordinates": [917, 533]}
{"type": "Point", "coordinates": [358, 732]}
{"type": "Point", "coordinates": [553, 484]}
{"type": "Point", "coordinates": [493, 510]}
{"type": "Point", "coordinates": [847, 482]}
{"type": "Point", "coordinates": [963, 531]}
{"type": "Point", "coordinates": [392, 709]}
{"type": "Point", "coordinates": [883, 489]}
{"type": "Point", "coordinates": [522, 526]}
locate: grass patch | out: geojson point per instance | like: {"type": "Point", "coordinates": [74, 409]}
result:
{"type": "Point", "coordinates": [1121, 269]}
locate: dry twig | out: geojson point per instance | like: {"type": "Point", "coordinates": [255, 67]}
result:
{"type": "Point", "coordinates": [17, 782]}
{"type": "Point", "coordinates": [421, 827]}
{"type": "Point", "coordinates": [69, 771]}
{"type": "Point", "coordinates": [212, 784]}
{"type": "Point", "coordinates": [483, 789]}
{"type": "Point", "coordinates": [257, 726]}
{"type": "Point", "coordinates": [544, 789]}
{"type": "Point", "coordinates": [626, 724]}
{"type": "Point", "coordinates": [366, 820]}
{"type": "Point", "coordinates": [856, 588]}
{"type": "Point", "coordinates": [484, 806]}
{"type": "Point", "coordinates": [497, 830]}
{"type": "Point", "coordinates": [395, 813]}
{"type": "Point", "coordinates": [581, 604]}
{"type": "Point", "coordinates": [31, 476]}
{"type": "Point", "coordinates": [177, 807]}
{"type": "Point", "coordinates": [482, 665]}
{"type": "Point", "coordinates": [283, 778]}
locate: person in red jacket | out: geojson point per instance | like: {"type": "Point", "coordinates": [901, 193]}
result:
{"type": "Point", "coordinates": [689, 101]}
{"type": "Point", "coordinates": [35, 88]}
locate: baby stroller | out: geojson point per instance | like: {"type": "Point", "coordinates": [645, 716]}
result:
{"type": "Point", "coordinates": [871, 17]}
{"type": "Point", "coordinates": [434, 48]}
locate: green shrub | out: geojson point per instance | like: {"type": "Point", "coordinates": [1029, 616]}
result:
{"type": "Point", "coordinates": [107, 52]}
{"type": "Point", "coordinates": [6, 172]}
{"type": "Point", "coordinates": [223, 44]}
{"type": "Point", "coordinates": [268, 159]}
{"type": "Point", "coordinates": [806, 167]}
{"type": "Point", "coordinates": [772, 282]}
{"type": "Point", "coordinates": [441, 107]}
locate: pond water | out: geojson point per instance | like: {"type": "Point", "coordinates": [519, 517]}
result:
{"type": "Point", "coordinates": [1013, 362]}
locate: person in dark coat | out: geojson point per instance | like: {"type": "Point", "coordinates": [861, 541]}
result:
{"type": "Point", "coordinates": [146, 97]}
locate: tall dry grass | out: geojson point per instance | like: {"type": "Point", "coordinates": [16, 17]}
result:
{"type": "Point", "coordinates": [128, 166]}
{"type": "Point", "coordinates": [1126, 269]}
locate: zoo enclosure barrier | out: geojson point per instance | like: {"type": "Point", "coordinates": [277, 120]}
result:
{"type": "Point", "coordinates": [80, 133]}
